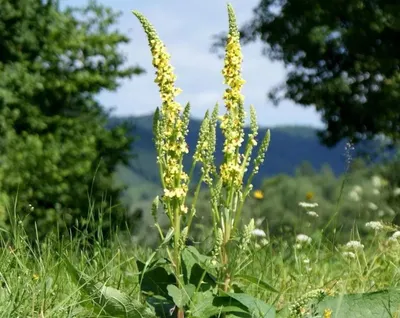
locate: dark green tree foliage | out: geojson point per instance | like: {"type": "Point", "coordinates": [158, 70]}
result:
{"type": "Point", "coordinates": [343, 57]}
{"type": "Point", "coordinates": [55, 150]}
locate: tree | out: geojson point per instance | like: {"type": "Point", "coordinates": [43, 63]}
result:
{"type": "Point", "coordinates": [343, 57]}
{"type": "Point", "coordinates": [57, 156]}
{"type": "Point", "coordinates": [305, 169]}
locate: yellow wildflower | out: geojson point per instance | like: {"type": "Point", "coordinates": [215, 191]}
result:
{"type": "Point", "coordinates": [258, 194]}
{"type": "Point", "coordinates": [327, 313]}
{"type": "Point", "coordinates": [309, 195]}
{"type": "Point", "coordinates": [232, 121]}
{"type": "Point", "coordinates": [35, 277]}
{"type": "Point", "coordinates": [170, 140]}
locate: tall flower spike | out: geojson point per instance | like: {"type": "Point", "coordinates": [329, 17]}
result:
{"type": "Point", "coordinates": [232, 121]}
{"type": "Point", "coordinates": [232, 67]}
{"type": "Point", "coordinates": [170, 128]}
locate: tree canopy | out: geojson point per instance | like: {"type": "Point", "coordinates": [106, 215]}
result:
{"type": "Point", "coordinates": [57, 156]}
{"type": "Point", "coordinates": [342, 57]}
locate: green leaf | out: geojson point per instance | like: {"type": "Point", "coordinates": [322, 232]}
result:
{"type": "Point", "coordinates": [256, 307]}
{"type": "Point", "coordinates": [382, 304]}
{"type": "Point", "coordinates": [195, 264]}
{"type": "Point", "coordinates": [256, 281]}
{"type": "Point", "coordinates": [108, 299]}
{"type": "Point", "coordinates": [181, 297]}
{"type": "Point", "coordinates": [156, 279]}
{"type": "Point", "coordinates": [162, 306]}
{"type": "Point", "coordinates": [205, 305]}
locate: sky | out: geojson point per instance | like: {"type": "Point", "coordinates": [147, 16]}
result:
{"type": "Point", "coordinates": [187, 28]}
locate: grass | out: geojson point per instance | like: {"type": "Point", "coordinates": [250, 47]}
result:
{"type": "Point", "coordinates": [35, 282]}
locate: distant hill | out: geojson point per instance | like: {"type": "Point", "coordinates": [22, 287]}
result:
{"type": "Point", "coordinates": [289, 147]}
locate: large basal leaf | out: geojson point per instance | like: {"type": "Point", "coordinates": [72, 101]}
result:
{"type": "Point", "coordinates": [155, 279]}
{"type": "Point", "coordinates": [109, 300]}
{"type": "Point", "coordinates": [206, 305]}
{"type": "Point", "coordinates": [162, 306]}
{"type": "Point", "coordinates": [181, 296]}
{"type": "Point", "coordinates": [194, 266]}
{"type": "Point", "coordinates": [380, 304]}
{"type": "Point", "coordinates": [256, 307]}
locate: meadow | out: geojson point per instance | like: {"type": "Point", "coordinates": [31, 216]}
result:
{"type": "Point", "coordinates": [35, 281]}
{"type": "Point", "coordinates": [341, 259]}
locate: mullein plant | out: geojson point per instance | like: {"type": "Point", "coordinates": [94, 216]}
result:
{"type": "Point", "coordinates": [226, 183]}
{"type": "Point", "coordinates": [184, 284]}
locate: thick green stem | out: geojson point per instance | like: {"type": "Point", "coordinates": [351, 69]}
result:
{"type": "Point", "coordinates": [177, 256]}
{"type": "Point", "coordinates": [196, 195]}
{"type": "Point", "coordinates": [177, 236]}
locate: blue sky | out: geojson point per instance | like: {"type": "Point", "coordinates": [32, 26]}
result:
{"type": "Point", "coordinates": [187, 27]}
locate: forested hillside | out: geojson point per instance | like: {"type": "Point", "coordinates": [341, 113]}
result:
{"type": "Point", "coordinates": [292, 148]}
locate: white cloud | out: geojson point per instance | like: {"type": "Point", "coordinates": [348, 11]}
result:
{"type": "Point", "coordinates": [187, 27]}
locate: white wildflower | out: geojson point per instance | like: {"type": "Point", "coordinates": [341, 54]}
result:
{"type": "Point", "coordinates": [313, 214]}
{"type": "Point", "coordinates": [396, 235]}
{"type": "Point", "coordinates": [372, 206]}
{"type": "Point", "coordinates": [354, 196]}
{"type": "Point", "coordinates": [349, 255]}
{"type": "Point", "coordinates": [302, 238]}
{"type": "Point", "coordinates": [374, 225]}
{"type": "Point", "coordinates": [264, 242]}
{"type": "Point", "coordinates": [376, 181]}
{"type": "Point", "coordinates": [376, 191]}
{"type": "Point", "coordinates": [308, 205]}
{"type": "Point", "coordinates": [358, 189]}
{"type": "Point", "coordinates": [306, 261]}
{"type": "Point", "coordinates": [381, 213]}
{"type": "Point", "coordinates": [396, 192]}
{"type": "Point", "coordinates": [258, 232]}
{"type": "Point", "coordinates": [355, 245]}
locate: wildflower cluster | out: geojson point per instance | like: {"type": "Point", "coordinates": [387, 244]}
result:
{"type": "Point", "coordinates": [395, 237]}
{"type": "Point", "coordinates": [354, 245]}
{"type": "Point", "coordinates": [302, 240]}
{"type": "Point", "coordinates": [355, 193]}
{"type": "Point", "coordinates": [375, 225]}
{"type": "Point", "coordinates": [308, 206]}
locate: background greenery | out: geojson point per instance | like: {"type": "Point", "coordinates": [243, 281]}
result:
{"type": "Point", "coordinates": [55, 150]}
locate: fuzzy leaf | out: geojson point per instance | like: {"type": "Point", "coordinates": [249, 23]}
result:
{"type": "Point", "coordinates": [155, 280]}
{"type": "Point", "coordinates": [382, 304]}
{"type": "Point", "coordinates": [207, 305]}
{"type": "Point", "coordinates": [256, 307]}
{"type": "Point", "coordinates": [181, 296]}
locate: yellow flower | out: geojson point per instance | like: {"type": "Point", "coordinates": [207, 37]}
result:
{"type": "Point", "coordinates": [309, 195]}
{"type": "Point", "coordinates": [35, 277]}
{"type": "Point", "coordinates": [327, 313]}
{"type": "Point", "coordinates": [258, 194]}
{"type": "Point", "coordinates": [171, 129]}
{"type": "Point", "coordinates": [232, 121]}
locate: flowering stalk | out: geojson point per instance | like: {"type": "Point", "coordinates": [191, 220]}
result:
{"type": "Point", "coordinates": [226, 183]}
{"type": "Point", "coordinates": [235, 164]}
{"type": "Point", "coordinates": [170, 127]}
